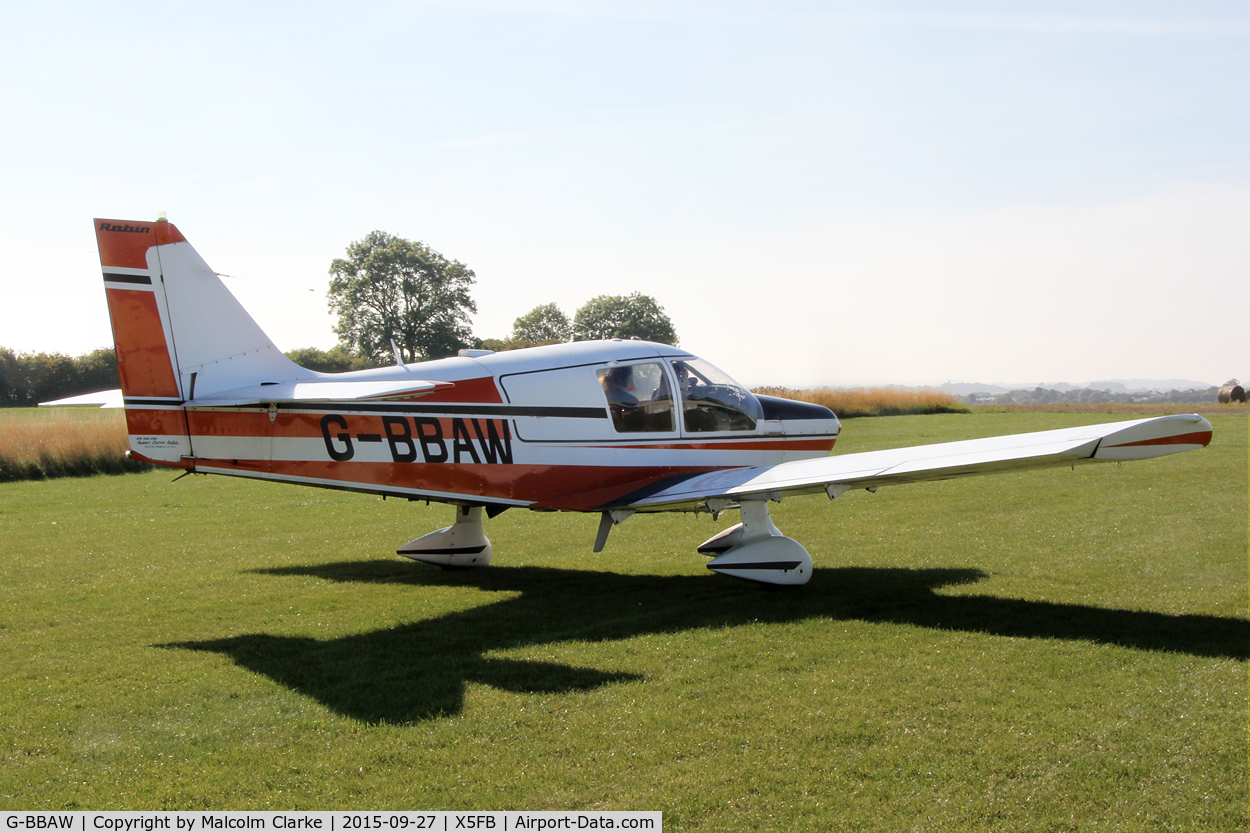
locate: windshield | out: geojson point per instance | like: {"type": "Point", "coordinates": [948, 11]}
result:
{"type": "Point", "coordinates": [712, 401]}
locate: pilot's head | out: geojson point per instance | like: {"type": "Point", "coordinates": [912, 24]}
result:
{"type": "Point", "coordinates": [685, 379]}
{"type": "Point", "coordinates": [617, 377]}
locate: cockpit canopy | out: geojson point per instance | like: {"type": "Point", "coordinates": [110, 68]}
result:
{"type": "Point", "coordinates": [640, 397]}
{"type": "Point", "coordinates": [712, 400]}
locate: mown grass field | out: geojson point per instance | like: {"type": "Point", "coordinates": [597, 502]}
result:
{"type": "Point", "coordinates": [1059, 650]}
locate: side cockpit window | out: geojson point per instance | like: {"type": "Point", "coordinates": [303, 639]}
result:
{"type": "Point", "coordinates": [638, 397]}
{"type": "Point", "coordinates": [712, 401]}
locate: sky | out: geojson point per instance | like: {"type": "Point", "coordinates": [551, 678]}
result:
{"type": "Point", "coordinates": [815, 192]}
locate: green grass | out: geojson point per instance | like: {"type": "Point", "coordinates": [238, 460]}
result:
{"type": "Point", "coordinates": [1051, 650]}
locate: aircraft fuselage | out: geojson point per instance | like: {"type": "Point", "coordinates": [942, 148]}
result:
{"type": "Point", "coordinates": [533, 428]}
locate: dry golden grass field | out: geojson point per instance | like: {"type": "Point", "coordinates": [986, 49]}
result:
{"type": "Point", "coordinates": [39, 443]}
{"type": "Point", "coordinates": [883, 401]}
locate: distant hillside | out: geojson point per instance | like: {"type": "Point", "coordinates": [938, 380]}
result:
{"type": "Point", "coordinates": [1089, 396]}
{"type": "Point", "coordinates": [1143, 386]}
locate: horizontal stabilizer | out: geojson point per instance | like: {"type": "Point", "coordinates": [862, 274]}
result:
{"type": "Point", "coordinates": [318, 390]}
{"type": "Point", "coordinates": [1132, 440]}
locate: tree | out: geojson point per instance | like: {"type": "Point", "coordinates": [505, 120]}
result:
{"type": "Point", "coordinates": [98, 370]}
{"type": "Point", "coordinates": [52, 376]}
{"type": "Point", "coordinates": [335, 360]}
{"type": "Point", "coordinates": [500, 345]}
{"type": "Point", "coordinates": [620, 316]}
{"type": "Point", "coordinates": [391, 288]}
{"type": "Point", "coordinates": [544, 324]}
{"type": "Point", "coordinates": [30, 378]}
{"type": "Point", "coordinates": [10, 378]}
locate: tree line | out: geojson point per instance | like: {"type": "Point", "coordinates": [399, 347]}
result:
{"type": "Point", "coordinates": [389, 294]}
{"type": "Point", "coordinates": [395, 295]}
{"type": "Point", "coordinates": [27, 379]}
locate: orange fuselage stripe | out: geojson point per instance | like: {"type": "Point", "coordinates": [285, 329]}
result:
{"type": "Point", "coordinates": [255, 423]}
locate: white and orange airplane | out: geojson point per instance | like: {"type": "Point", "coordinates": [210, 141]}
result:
{"type": "Point", "coordinates": [611, 427]}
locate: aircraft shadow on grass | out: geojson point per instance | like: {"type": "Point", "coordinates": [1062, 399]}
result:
{"type": "Point", "coordinates": [419, 670]}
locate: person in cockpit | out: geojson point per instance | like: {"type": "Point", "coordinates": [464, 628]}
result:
{"type": "Point", "coordinates": [687, 381]}
{"type": "Point", "coordinates": [617, 382]}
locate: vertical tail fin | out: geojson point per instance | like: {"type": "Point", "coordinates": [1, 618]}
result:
{"type": "Point", "coordinates": [177, 331]}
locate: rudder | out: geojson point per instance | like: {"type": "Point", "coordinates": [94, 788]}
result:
{"type": "Point", "coordinates": [141, 333]}
{"type": "Point", "coordinates": [143, 339]}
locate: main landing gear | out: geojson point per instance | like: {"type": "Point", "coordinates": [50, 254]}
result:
{"type": "Point", "coordinates": [757, 551]}
{"type": "Point", "coordinates": [754, 550]}
{"type": "Point", "coordinates": [459, 546]}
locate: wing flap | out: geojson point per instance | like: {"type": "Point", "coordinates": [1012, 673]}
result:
{"type": "Point", "coordinates": [1136, 439]}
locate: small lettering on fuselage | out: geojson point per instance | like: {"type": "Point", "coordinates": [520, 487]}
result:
{"type": "Point", "coordinates": [422, 438]}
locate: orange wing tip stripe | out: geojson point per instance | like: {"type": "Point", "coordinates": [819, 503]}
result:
{"type": "Point", "coordinates": [1202, 438]}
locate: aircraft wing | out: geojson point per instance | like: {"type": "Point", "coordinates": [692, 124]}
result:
{"type": "Point", "coordinates": [318, 390]}
{"type": "Point", "coordinates": [99, 399]}
{"type": "Point", "coordinates": [1133, 440]}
